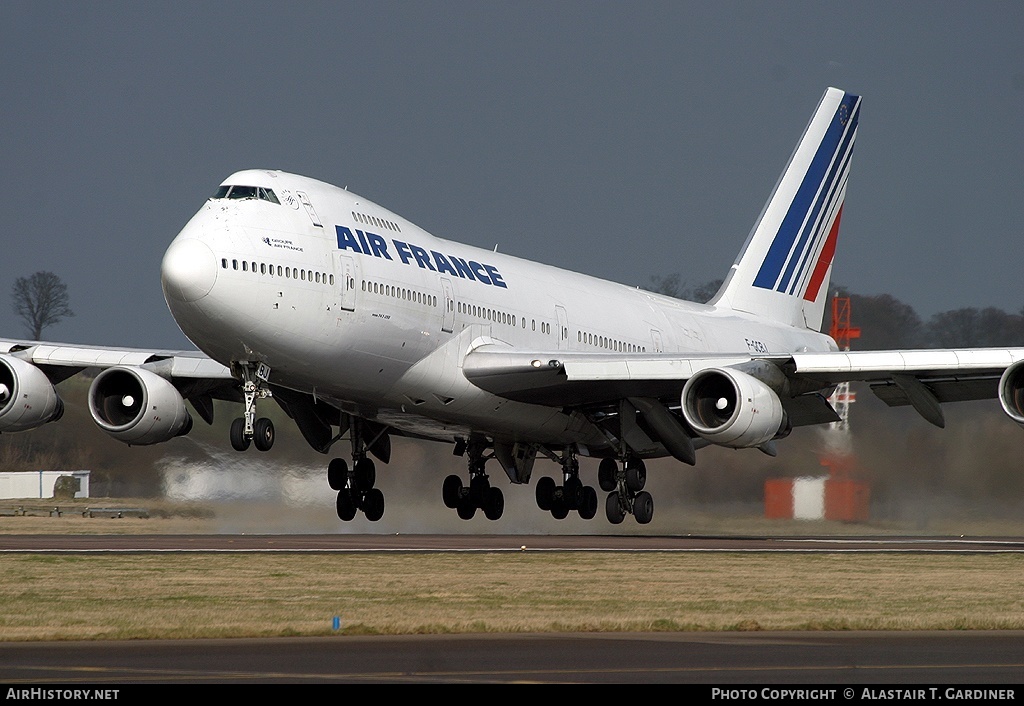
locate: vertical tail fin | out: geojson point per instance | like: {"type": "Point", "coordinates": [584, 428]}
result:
{"type": "Point", "coordinates": [783, 270]}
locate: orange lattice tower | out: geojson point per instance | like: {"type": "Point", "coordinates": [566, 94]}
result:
{"type": "Point", "coordinates": [846, 497]}
{"type": "Point", "coordinates": [838, 454]}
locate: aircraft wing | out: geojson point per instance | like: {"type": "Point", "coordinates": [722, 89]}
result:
{"type": "Point", "coordinates": [73, 358]}
{"type": "Point", "coordinates": [921, 378]}
{"type": "Point", "coordinates": [197, 378]}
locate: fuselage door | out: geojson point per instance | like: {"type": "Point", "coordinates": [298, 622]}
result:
{"type": "Point", "coordinates": [448, 317]}
{"type": "Point", "coordinates": [346, 284]}
{"type": "Point", "coordinates": [563, 327]}
{"type": "Point", "coordinates": [308, 205]}
{"type": "Point", "coordinates": [656, 339]}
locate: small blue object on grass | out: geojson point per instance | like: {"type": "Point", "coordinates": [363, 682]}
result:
{"type": "Point", "coordinates": [337, 622]}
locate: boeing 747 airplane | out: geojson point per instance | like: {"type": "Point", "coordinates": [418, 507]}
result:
{"type": "Point", "coordinates": [362, 326]}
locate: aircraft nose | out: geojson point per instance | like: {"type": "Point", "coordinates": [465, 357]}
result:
{"type": "Point", "coordinates": [189, 270]}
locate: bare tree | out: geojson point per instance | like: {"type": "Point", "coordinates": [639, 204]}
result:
{"type": "Point", "coordinates": [40, 301]}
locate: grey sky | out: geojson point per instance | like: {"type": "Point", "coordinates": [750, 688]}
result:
{"type": "Point", "coordinates": [618, 139]}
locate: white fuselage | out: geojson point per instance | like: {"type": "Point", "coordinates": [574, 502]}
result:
{"type": "Point", "coordinates": [354, 304]}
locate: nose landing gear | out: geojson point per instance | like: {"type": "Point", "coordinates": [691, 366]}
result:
{"type": "Point", "coordinates": [247, 429]}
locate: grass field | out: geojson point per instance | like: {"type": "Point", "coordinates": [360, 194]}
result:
{"type": "Point", "coordinates": [70, 597]}
{"type": "Point", "coordinates": [58, 597]}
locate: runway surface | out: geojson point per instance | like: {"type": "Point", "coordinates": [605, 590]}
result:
{"type": "Point", "coordinates": [493, 543]}
{"type": "Point", "coordinates": [836, 660]}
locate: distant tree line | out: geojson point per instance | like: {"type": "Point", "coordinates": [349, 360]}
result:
{"type": "Point", "coordinates": [887, 323]}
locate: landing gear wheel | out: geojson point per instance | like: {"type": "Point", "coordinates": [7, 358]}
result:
{"type": "Point", "coordinates": [451, 491]}
{"type": "Point", "coordinates": [365, 474]}
{"type": "Point", "coordinates": [606, 474]}
{"type": "Point", "coordinates": [239, 442]}
{"type": "Point", "coordinates": [559, 508]}
{"type": "Point", "coordinates": [337, 473]}
{"type": "Point", "coordinates": [572, 491]}
{"type": "Point", "coordinates": [613, 509]}
{"type": "Point", "coordinates": [545, 492]}
{"type": "Point", "coordinates": [346, 506]}
{"type": "Point", "coordinates": [643, 507]}
{"type": "Point", "coordinates": [588, 503]}
{"type": "Point", "coordinates": [263, 434]}
{"type": "Point", "coordinates": [636, 475]}
{"type": "Point", "coordinates": [466, 508]}
{"type": "Point", "coordinates": [495, 504]}
{"type": "Point", "coordinates": [373, 504]}
{"type": "Point", "coordinates": [479, 486]}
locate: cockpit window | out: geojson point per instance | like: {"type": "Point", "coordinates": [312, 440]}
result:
{"type": "Point", "coordinates": [229, 191]}
{"type": "Point", "coordinates": [242, 192]}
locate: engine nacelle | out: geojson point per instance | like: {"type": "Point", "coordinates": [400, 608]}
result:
{"type": "Point", "coordinates": [136, 406]}
{"type": "Point", "coordinates": [731, 408]}
{"type": "Point", "coordinates": [1011, 392]}
{"type": "Point", "coordinates": [27, 398]}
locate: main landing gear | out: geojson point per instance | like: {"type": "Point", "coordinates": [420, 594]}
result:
{"type": "Point", "coordinates": [479, 494]}
{"type": "Point", "coordinates": [572, 495]}
{"type": "Point", "coordinates": [247, 429]}
{"type": "Point", "coordinates": [355, 484]}
{"type": "Point", "coordinates": [625, 490]}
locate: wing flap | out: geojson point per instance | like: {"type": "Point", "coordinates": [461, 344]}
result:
{"type": "Point", "coordinates": [565, 379]}
{"type": "Point", "coordinates": [848, 366]}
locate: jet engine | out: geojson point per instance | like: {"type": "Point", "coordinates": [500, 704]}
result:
{"type": "Point", "coordinates": [138, 407]}
{"type": "Point", "coordinates": [1011, 392]}
{"type": "Point", "coordinates": [731, 408]}
{"type": "Point", "coordinates": [27, 398]}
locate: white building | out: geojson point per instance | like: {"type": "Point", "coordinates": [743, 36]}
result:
{"type": "Point", "coordinates": [39, 484]}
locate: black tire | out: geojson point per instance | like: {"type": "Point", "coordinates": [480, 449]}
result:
{"type": "Point", "coordinates": [365, 474]}
{"type": "Point", "coordinates": [373, 504]}
{"type": "Point", "coordinates": [606, 474]}
{"type": "Point", "coordinates": [337, 473]}
{"type": "Point", "coordinates": [451, 491]}
{"type": "Point", "coordinates": [466, 508]}
{"type": "Point", "coordinates": [643, 508]}
{"type": "Point", "coordinates": [572, 491]}
{"type": "Point", "coordinates": [346, 506]}
{"type": "Point", "coordinates": [613, 510]}
{"type": "Point", "coordinates": [588, 505]}
{"type": "Point", "coordinates": [478, 489]}
{"type": "Point", "coordinates": [263, 434]}
{"type": "Point", "coordinates": [237, 434]}
{"type": "Point", "coordinates": [559, 508]}
{"type": "Point", "coordinates": [495, 504]}
{"type": "Point", "coordinates": [636, 475]}
{"type": "Point", "coordinates": [545, 493]}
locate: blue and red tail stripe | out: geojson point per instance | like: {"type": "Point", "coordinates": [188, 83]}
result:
{"type": "Point", "coordinates": [809, 230]}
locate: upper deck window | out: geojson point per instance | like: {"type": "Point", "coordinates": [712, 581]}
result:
{"type": "Point", "coordinates": [228, 191]}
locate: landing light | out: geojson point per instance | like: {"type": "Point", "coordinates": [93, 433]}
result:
{"type": "Point", "coordinates": [535, 363]}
